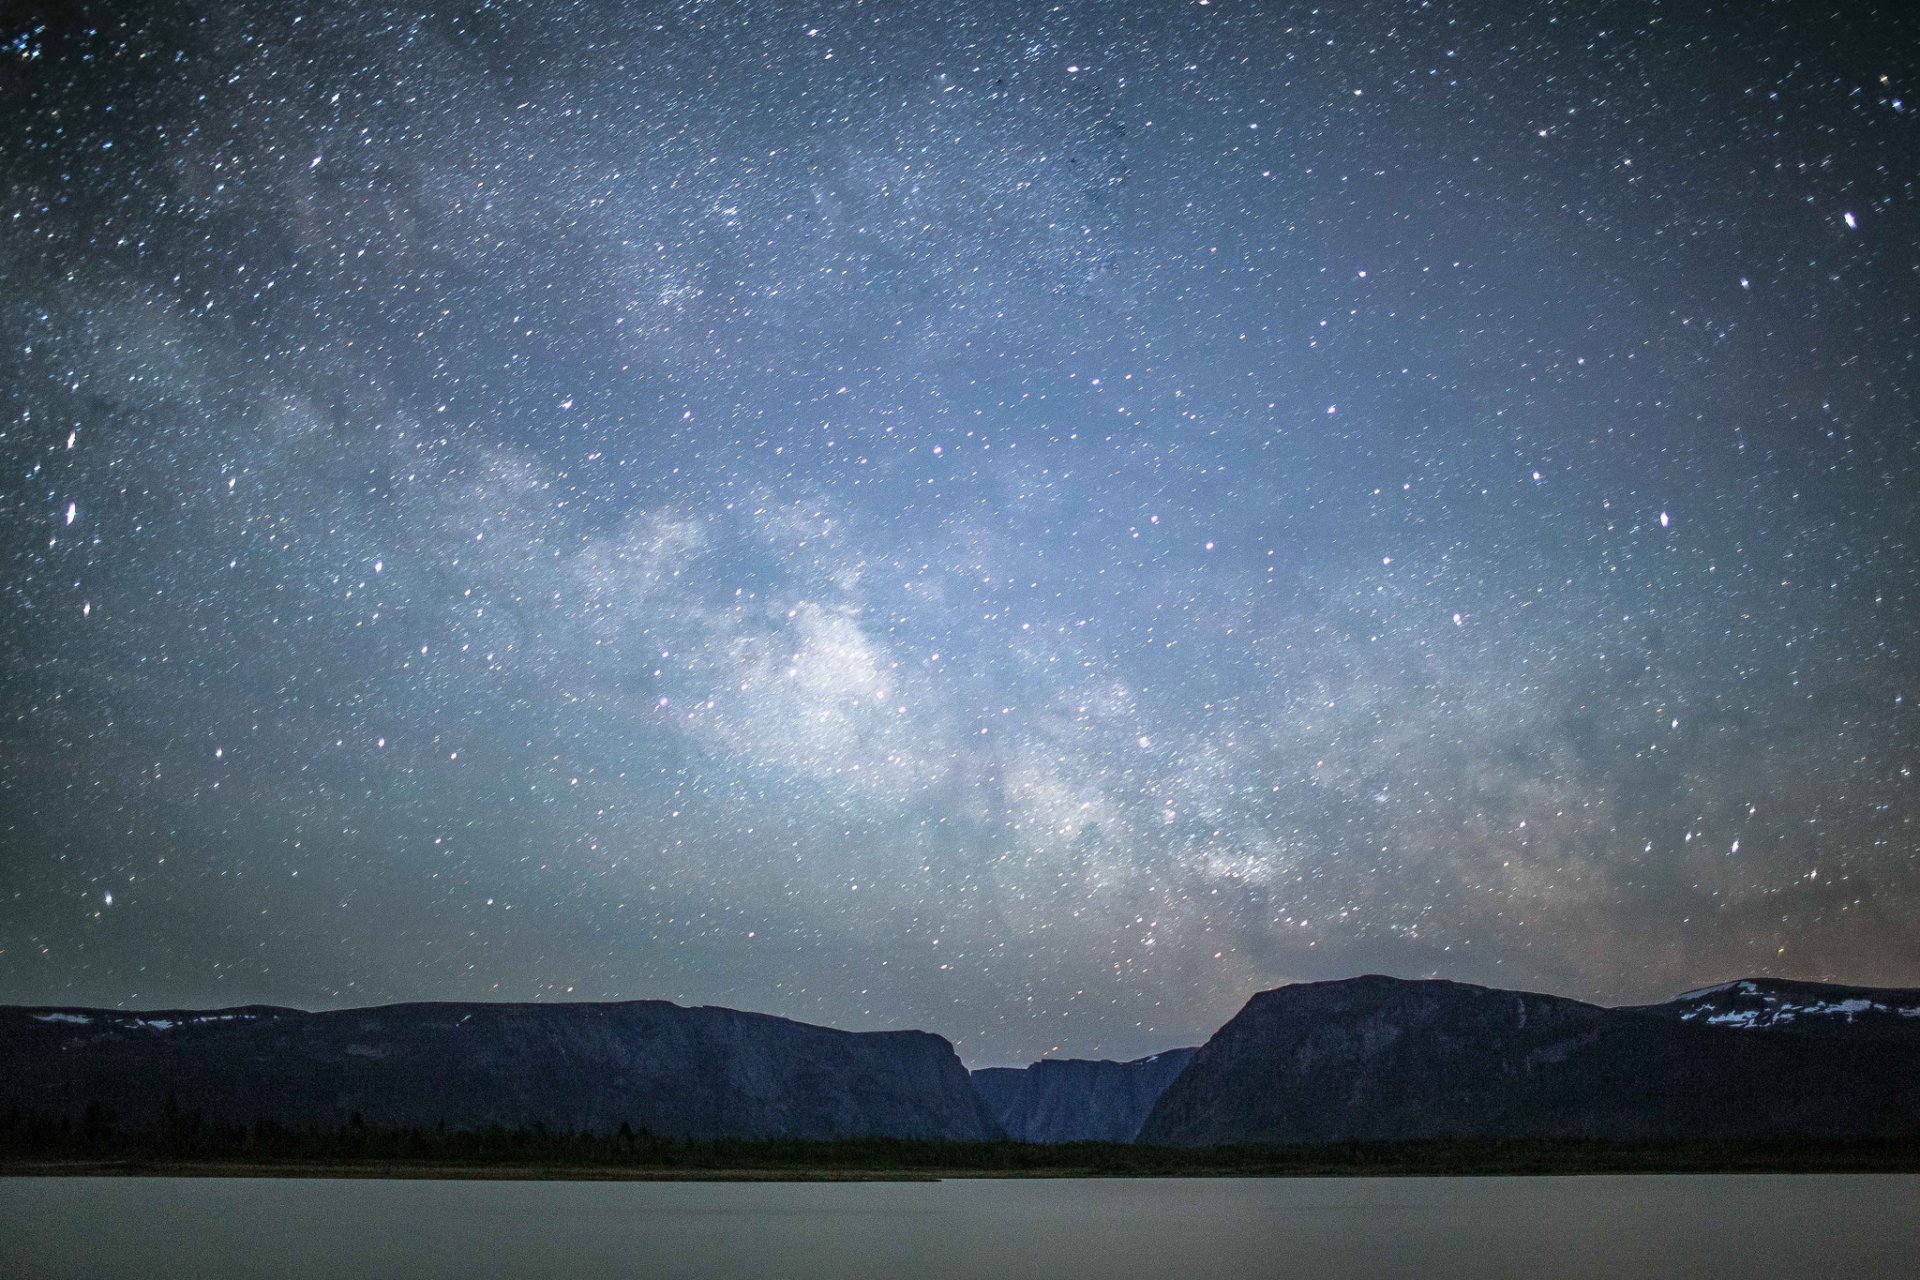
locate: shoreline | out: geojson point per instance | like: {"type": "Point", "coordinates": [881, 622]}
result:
{"type": "Point", "coordinates": [1534, 1165]}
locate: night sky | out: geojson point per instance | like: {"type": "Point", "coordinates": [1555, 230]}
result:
{"type": "Point", "coordinates": [1033, 522]}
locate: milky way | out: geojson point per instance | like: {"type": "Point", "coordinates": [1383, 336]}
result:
{"type": "Point", "coordinates": [1030, 522]}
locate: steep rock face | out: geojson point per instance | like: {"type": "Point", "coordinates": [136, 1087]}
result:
{"type": "Point", "coordinates": [703, 1072]}
{"type": "Point", "coordinates": [1813, 1008]}
{"type": "Point", "coordinates": [1078, 1100]}
{"type": "Point", "coordinates": [1380, 1059]}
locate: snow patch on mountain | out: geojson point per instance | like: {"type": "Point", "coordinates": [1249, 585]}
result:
{"type": "Point", "coordinates": [139, 1021]}
{"type": "Point", "coordinates": [1756, 1008]}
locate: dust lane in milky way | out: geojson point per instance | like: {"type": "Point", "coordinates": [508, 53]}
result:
{"type": "Point", "coordinates": [1027, 521]}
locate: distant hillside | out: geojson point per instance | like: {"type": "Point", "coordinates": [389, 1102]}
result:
{"type": "Point", "coordinates": [704, 1072]}
{"type": "Point", "coordinates": [1369, 1060]}
{"type": "Point", "coordinates": [1077, 1100]}
{"type": "Point", "coordinates": [1381, 1059]}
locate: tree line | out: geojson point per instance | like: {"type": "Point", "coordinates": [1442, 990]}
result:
{"type": "Point", "coordinates": [182, 1136]}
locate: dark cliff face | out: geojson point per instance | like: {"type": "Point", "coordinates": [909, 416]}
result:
{"type": "Point", "coordinates": [1380, 1059]}
{"type": "Point", "coordinates": [1367, 1059]}
{"type": "Point", "coordinates": [702, 1072]}
{"type": "Point", "coordinates": [1076, 1100]}
{"type": "Point", "coordinates": [1810, 1008]}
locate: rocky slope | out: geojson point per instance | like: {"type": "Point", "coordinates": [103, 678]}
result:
{"type": "Point", "coordinates": [702, 1072]}
{"type": "Point", "coordinates": [1381, 1059]}
{"type": "Point", "coordinates": [1076, 1099]}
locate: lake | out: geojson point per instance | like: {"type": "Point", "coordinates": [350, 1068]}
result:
{"type": "Point", "coordinates": [1831, 1227]}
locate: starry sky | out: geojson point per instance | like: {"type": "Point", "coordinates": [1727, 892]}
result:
{"type": "Point", "coordinates": [1029, 521]}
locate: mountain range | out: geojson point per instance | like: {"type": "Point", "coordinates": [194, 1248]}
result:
{"type": "Point", "coordinates": [676, 1072]}
{"type": "Point", "coordinates": [1367, 1059]}
{"type": "Point", "coordinates": [1379, 1059]}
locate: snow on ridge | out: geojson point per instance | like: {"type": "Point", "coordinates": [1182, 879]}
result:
{"type": "Point", "coordinates": [1777, 1012]}
{"type": "Point", "coordinates": [189, 1020]}
{"type": "Point", "coordinates": [140, 1021]}
{"type": "Point", "coordinates": [1713, 990]}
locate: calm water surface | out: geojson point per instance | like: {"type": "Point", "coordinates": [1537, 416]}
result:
{"type": "Point", "coordinates": [1705, 1227]}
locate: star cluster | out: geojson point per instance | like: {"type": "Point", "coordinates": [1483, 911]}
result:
{"type": "Point", "coordinates": [1027, 521]}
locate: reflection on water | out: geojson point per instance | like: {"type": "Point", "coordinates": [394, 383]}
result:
{"type": "Point", "coordinates": [1705, 1227]}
